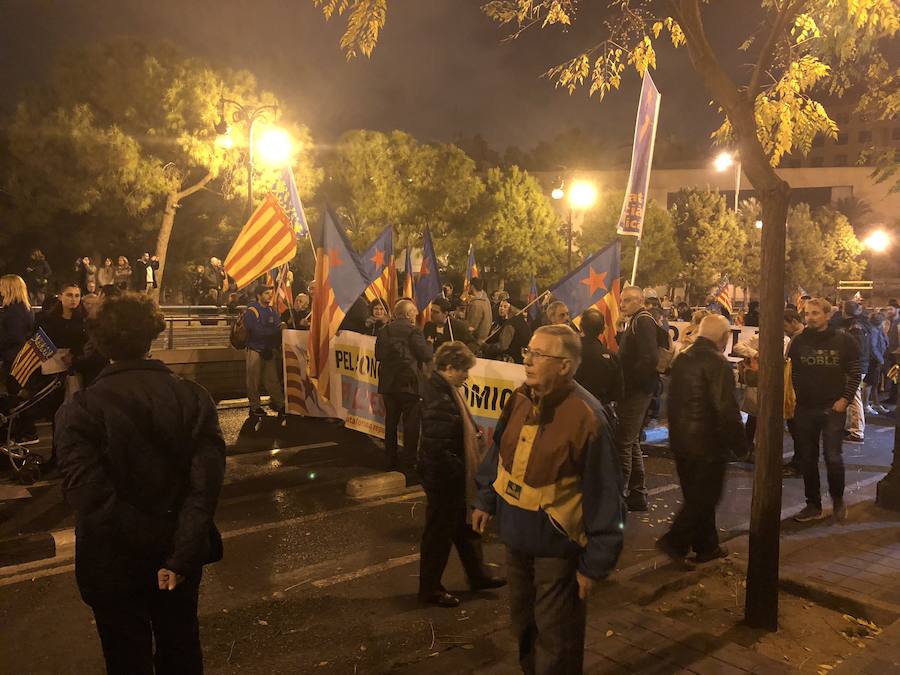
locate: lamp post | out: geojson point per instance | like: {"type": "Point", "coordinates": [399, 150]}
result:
{"type": "Point", "coordinates": [723, 162]}
{"type": "Point", "coordinates": [274, 142]}
{"type": "Point", "coordinates": [582, 195]}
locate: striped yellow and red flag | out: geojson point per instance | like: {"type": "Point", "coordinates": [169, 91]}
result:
{"type": "Point", "coordinates": [267, 241]}
{"type": "Point", "coordinates": [609, 307]}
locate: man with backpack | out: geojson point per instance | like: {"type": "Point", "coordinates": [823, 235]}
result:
{"type": "Point", "coordinates": [401, 351]}
{"type": "Point", "coordinates": [639, 356]}
{"type": "Point", "coordinates": [260, 329]}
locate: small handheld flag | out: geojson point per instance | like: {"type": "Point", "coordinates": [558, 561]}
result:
{"type": "Point", "coordinates": [471, 266]}
{"type": "Point", "coordinates": [534, 310]}
{"type": "Point", "coordinates": [723, 296]}
{"type": "Point", "coordinates": [33, 353]}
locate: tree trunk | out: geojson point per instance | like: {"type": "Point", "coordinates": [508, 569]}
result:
{"type": "Point", "coordinates": [761, 609]}
{"type": "Point", "coordinates": [765, 518]}
{"type": "Point", "coordinates": [173, 201]}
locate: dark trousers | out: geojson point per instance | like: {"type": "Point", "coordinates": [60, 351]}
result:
{"type": "Point", "coordinates": [631, 413]}
{"type": "Point", "coordinates": [24, 425]}
{"type": "Point", "coordinates": [695, 525]}
{"type": "Point", "coordinates": [409, 406]}
{"type": "Point", "coordinates": [131, 624]}
{"type": "Point", "coordinates": [795, 458]}
{"type": "Point", "coordinates": [810, 424]}
{"type": "Point", "coordinates": [546, 613]}
{"type": "Point", "coordinates": [445, 527]}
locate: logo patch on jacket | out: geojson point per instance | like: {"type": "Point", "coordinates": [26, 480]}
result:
{"type": "Point", "coordinates": [513, 489]}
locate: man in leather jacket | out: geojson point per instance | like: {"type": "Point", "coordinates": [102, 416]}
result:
{"type": "Point", "coordinates": [401, 351]}
{"type": "Point", "coordinates": [704, 425]}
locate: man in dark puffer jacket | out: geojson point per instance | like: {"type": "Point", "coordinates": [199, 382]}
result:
{"type": "Point", "coordinates": [704, 424]}
{"type": "Point", "coordinates": [143, 460]}
{"type": "Point", "coordinates": [446, 473]}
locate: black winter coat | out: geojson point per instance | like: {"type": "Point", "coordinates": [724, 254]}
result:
{"type": "Point", "coordinates": [704, 419]}
{"type": "Point", "coordinates": [600, 372]}
{"type": "Point", "coordinates": [639, 353]}
{"type": "Point", "coordinates": [442, 453]}
{"type": "Point", "coordinates": [16, 327]}
{"type": "Point", "coordinates": [400, 348]}
{"type": "Point", "coordinates": [142, 460]}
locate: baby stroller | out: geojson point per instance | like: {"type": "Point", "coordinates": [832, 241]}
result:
{"type": "Point", "coordinates": [26, 464]}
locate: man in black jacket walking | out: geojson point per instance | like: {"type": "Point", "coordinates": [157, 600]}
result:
{"type": "Point", "coordinates": [704, 425]}
{"type": "Point", "coordinates": [638, 354]}
{"type": "Point", "coordinates": [825, 370]}
{"type": "Point", "coordinates": [401, 351]}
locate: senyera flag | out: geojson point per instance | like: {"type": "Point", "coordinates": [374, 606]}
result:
{"type": "Point", "coordinates": [631, 221]}
{"type": "Point", "coordinates": [428, 285]}
{"type": "Point", "coordinates": [267, 241]}
{"type": "Point", "coordinates": [34, 352]}
{"type": "Point", "coordinates": [278, 280]}
{"type": "Point", "coordinates": [339, 282]}
{"type": "Point", "coordinates": [381, 270]}
{"type": "Point", "coordinates": [595, 283]}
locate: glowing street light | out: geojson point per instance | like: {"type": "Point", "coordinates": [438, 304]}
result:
{"type": "Point", "coordinates": [723, 162]}
{"type": "Point", "coordinates": [877, 241]}
{"type": "Point", "coordinates": [759, 224]}
{"type": "Point", "coordinates": [274, 146]}
{"type": "Point", "coordinates": [582, 195]}
{"type": "Point", "coordinates": [558, 193]}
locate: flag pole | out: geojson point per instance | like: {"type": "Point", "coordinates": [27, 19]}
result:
{"type": "Point", "coordinates": [637, 252]}
{"type": "Point", "coordinates": [520, 312]}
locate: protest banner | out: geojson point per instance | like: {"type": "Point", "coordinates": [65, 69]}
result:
{"type": "Point", "coordinates": [354, 384]}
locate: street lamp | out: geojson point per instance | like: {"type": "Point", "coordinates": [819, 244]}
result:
{"type": "Point", "coordinates": [877, 241]}
{"type": "Point", "coordinates": [275, 146]}
{"type": "Point", "coordinates": [723, 162]}
{"type": "Point", "coordinates": [582, 195]}
{"type": "Point", "coordinates": [248, 116]}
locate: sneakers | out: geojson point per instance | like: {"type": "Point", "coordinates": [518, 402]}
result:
{"type": "Point", "coordinates": [441, 599]}
{"type": "Point", "coordinates": [855, 438]}
{"type": "Point", "coordinates": [882, 410]}
{"type": "Point", "coordinates": [487, 583]}
{"type": "Point", "coordinates": [709, 556]}
{"type": "Point", "coordinates": [636, 504]}
{"type": "Point", "coordinates": [809, 513]}
{"type": "Point", "coordinates": [839, 511]}
{"type": "Point", "coordinates": [870, 410]}
{"type": "Point", "coordinates": [676, 556]}
{"type": "Point", "coordinates": [257, 412]}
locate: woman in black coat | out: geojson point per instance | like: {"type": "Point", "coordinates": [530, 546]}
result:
{"type": "Point", "coordinates": [448, 456]}
{"type": "Point", "coordinates": [16, 328]}
{"type": "Point", "coordinates": [142, 460]}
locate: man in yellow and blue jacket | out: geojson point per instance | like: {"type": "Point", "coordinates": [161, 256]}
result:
{"type": "Point", "coordinates": [553, 482]}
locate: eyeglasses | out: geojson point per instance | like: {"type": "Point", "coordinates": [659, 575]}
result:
{"type": "Point", "coordinates": [526, 352]}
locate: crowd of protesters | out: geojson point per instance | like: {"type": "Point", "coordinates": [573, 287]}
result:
{"type": "Point", "coordinates": [563, 467]}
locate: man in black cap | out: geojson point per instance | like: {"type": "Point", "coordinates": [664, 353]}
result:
{"type": "Point", "coordinates": [263, 340]}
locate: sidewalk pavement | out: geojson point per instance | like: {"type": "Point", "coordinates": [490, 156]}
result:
{"type": "Point", "coordinates": [852, 568]}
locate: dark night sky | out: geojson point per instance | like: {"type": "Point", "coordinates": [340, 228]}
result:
{"type": "Point", "coordinates": [439, 69]}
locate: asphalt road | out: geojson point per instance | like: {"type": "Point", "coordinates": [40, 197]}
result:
{"type": "Point", "coordinates": [312, 581]}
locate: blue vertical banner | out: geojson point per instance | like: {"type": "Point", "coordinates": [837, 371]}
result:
{"type": "Point", "coordinates": [631, 222]}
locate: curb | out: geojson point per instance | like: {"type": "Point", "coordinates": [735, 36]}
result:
{"type": "Point", "coordinates": [880, 612]}
{"type": "Point", "coordinates": [27, 548]}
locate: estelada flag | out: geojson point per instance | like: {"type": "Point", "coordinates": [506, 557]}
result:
{"type": "Point", "coordinates": [339, 282]}
{"type": "Point", "coordinates": [428, 285]}
{"type": "Point", "coordinates": [471, 266]}
{"type": "Point", "coordinates": [723, 297]}
{"type": "Point", "coordinates": [34, 352]}
{"type": "Point", "coordinates": [595, 283]}
{"type": "Point", "coordinates": [267, 241]}
{"type": "Point", "coordinates": [381, 270]}
{"type": "Point", "coordinates": [408, 287]}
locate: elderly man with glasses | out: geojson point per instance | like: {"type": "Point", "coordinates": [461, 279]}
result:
{"type": "Point", "coordinates": [553, 482]}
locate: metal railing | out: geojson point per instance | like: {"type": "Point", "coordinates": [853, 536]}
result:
{"type": "Point", "coordinates": [195, 327]}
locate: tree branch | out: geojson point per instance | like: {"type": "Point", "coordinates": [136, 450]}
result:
{"type": "Point", "coordinates": [196, 187]}
{"type": "Point", "coordinates": [788, 12]}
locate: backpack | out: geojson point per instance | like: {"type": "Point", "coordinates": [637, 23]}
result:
{"type": "Point", "coordinates": [238, 336]}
